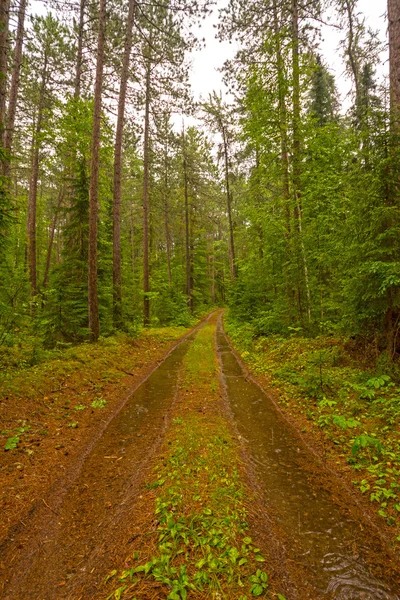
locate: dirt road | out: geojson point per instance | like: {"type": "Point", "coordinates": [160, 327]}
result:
{"type": "Point", "coordinates": [199, 488]}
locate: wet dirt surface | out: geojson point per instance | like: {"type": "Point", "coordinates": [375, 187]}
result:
{"type": "Point", "coordinates": [90, 523]}
{"type": "Point", "coordinates": [79, 525]}
{"type": "Point", "coordinates": [338, 554]}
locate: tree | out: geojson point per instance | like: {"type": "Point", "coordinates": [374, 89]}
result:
{"type": "Point", "coordinates": [216, 110]}
{"type": "Point", "coordinates": [117, 281]}
{"type": "Point", "coordinates": [93, 301]}
{"type": "Point", "coordinates": [14, 87]}
{"type": "Point", "coordinates": [394, 56]}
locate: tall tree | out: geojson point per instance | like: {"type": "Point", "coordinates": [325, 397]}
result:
{"type": "Point", "coordinates": [394, 58]}
{"type": "Point", "coordinates": [218, 119]}
{"type": "Point", "coordinates": [4, 20]}
{"type": "Point", "coordinates": [13, 95]}
{"type": "Point", "coordinates": [93, 300]}
{"type": "Point", "coordinates": [117, 279]}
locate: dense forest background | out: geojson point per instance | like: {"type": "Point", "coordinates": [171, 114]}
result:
{"type": "Point", "coordinates": [281, 204]}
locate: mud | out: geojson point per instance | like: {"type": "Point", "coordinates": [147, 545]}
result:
{"type": "Point", "coordinates": [319, 543]}
{"type": "Point", "coordinates": [340, 557]}
{"type": "Point", "coordinates": [79, 527]}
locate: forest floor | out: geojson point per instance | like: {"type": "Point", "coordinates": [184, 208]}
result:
{"type": "Point", "coordinates": [191, 485]}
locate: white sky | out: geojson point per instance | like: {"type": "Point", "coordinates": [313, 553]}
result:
{"type": "Point", "coordinates": [206, 78]}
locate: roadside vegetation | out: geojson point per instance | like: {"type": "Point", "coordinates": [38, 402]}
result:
{"type": "Point", "coordinates": [50, 409]}
{"type": "Point", "coordinates": [355, 407]}
{"type": "Point", "coordinates": [202, 546]}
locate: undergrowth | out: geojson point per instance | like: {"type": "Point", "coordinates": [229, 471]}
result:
{"type": "Point", "coordinates": [358, 411]}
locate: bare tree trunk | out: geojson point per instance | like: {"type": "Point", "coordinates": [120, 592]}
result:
{"type": "Point", "coordinates": [297, 148]}
{"type": "Point", "coordinates": [213, 273]}
{"type": "Point", "coordinates": [229, 205]}
{"type": "Point", "coordinates": [93, 300]}
{"type": "Point", "coordinates": [33, 184]}
{"type": "Point", "coordinates": [167, 238]}
{"type": "Point", "coordinates": [13, 97]}
{"type": "Point", "coordinates": [79, 53]}
{"type": "Point", "coordinates": [188, 269]}
{"type": "Point", "coordinates": [4, 20]}
{"type": "Point", "coordinates": [132, 233]}
{"type": "Point", "coordinates": [355, 68]}
{"type": "Point", "coordinates": [117, 278]}
{"type": "Point", "coordinates": [394, 59]}
{"type": "Point", "coordinates": [393, 186]}
{"type": "Point", "coordinates": [51, 239]}
{"type": "Point", "coordinates": [296, 106]}
{"type": "Point", "coordinates": [282, 120]}
{"type": "Point", "coordinates": [146, 170]}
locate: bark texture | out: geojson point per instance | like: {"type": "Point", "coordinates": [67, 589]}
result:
{"type": "Point", "coordinates": [394, 58]}
{"type": "Point", "coordinates": [4, 20]}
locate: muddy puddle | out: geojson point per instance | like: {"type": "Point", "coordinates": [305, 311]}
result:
{"type": "Point", "coordinates": [326, 542]}
{"type": "Point", "coordinates": [79, 527]}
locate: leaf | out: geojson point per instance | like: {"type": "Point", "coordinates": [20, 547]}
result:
{"type": "Point", "coordinates": [247, 540]}
{"type": "Point", "coordinates": [257, 589]}
{"type": "Point", "coordinates": [118, 593]}
{"type": "Point", "coordinates": [12, 443]}
{"type": "Point", "coordinates": [110, 575]}
{"type": "Point", "coordinates": [260, 558]}
{"type": "Point", "coordinates": [233, 554]}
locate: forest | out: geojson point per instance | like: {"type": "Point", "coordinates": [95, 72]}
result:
{"type": "Point", "coordinates": [279, 203]}
{"type": "Point", "coordinates": [199, 301]}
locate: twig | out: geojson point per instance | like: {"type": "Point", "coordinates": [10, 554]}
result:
{"type": "Point", "coordinates": [49, 507]}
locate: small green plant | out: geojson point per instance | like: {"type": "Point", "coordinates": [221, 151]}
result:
{"type": "Point", "coordinates": [259, 583]}
{"type": "Point", "coordinates": [365, 441]}
{"type": "Point", "coordinates": [12, 443]}
{"type": "Point", "coordinates": [99, 403]}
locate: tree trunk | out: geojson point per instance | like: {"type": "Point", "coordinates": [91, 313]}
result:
{"type": "Point", "coordinates": [51, 239]}
{"type": "Point", "coordinates": [297, 143]}
{"type": "Point", "coordinates": [13, 96]}
{"type": "Point", "coordinates": [213, 273]}
{"type": "Point", "coordinates": [93, 300]}
{"type": "Point", "coordinates": [79, 53]}
{"type": "Point", "coordinates": [146, 170]}
{"type": "Point", "coordinates": [189, 277]}
{"type": "Point", "coordinates": [32, 198]}
{"type": "Point", "coordinates": [132, 235]}
{"type": "Point", "coordinates": [283, 125]}
{"type": "Point", "coordinates": [229, 206]}
{"type": "Point", "coordinates": [117, 278]}
{"type": "Point", "coordinates": [167, 231]}
{"type": "Point", "coordinates": [394, 60]}
{"type": "Point", "coordinates": [355, 69]}
{"type": "Point", "coordinates": [296, 106]}
{"type": "Point", "coordinates": [4, 20]}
